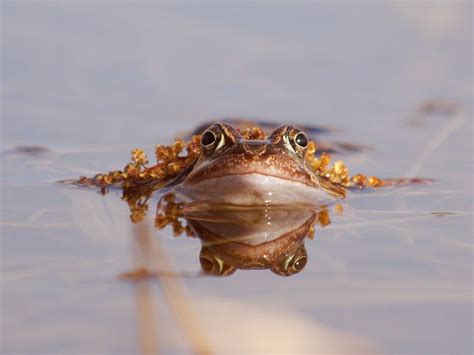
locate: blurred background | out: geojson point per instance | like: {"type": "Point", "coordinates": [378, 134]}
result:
{"type": "Point", "coordinates": [89, 73]}
{"type": "Point", "coordinates": [89, 80]}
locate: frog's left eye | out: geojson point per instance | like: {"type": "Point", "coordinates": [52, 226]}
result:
{"type": "Point", "coordinates": [301, 140]}
{"type": "Point", "coordinates": [298, 139]}
{"type": "Point", "coordinates": [208, 139]}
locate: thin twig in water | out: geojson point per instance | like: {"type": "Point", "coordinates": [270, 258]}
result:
{"type": "Point", "coordinates": [413, 213]}
{"type": "Point", "coordinates": [456, 122]}
{"type": "Point", "coordinates": [385, 222]}
{"type": "Point", "coordinates": [174, 292]}
{"type": "Point", "coordinates": [147, 327]}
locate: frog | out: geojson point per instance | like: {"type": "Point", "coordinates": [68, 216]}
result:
{"type": "Point", "coordinates": [271, 182]}
{"type": "Point", "coordinates": [248, 165]}
{"type": "Point", "coordinates": [253, 172]}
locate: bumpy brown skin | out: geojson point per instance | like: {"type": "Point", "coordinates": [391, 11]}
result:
{"type": "Point", "coordinates": [274, 156]}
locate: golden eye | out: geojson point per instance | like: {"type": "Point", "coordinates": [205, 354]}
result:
{"type": "Point", "coordinates": [299, 264]}
{"type": "Point", "coordinates": [292, 264]}
{"type": "Point", "coordinates": [212, 265]}
{"type": "Point", "coordinates": [301, 140]}
{"type": "Point", "coordinates": [298, 140]}
{"type": "Point", "coordinates": [208, 139]}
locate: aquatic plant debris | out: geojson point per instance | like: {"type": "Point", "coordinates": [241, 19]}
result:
{"type": "Point", "coordinates": [139, 180]}
{"type": "Point", "coordinates": [170, 162]}
{"type": "Point", "coordinates": [173, 159]}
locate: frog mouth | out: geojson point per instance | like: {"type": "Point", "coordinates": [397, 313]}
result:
{"type": "Point", "coordinates": [240, 179]}
{"type": "Point", "coordinates": [260, 177]}
{"type": "Point", "coordinates": [252, 189]}
{"type": "Point", "coordinates": [272, 168]}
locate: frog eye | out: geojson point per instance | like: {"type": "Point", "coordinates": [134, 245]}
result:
{"type": "Point", "coordinates": [299, 264]}
{"type": "Point", "coordinates": [208, 139]}
{"type": "Point", "coordinates": [301, 140]}
{"type": "Point", "coordinates": [293, 264]}
{"type": "Point", "coordinates": [298, 139]}
{"type": "Point", "coordinates": [213, 139]}
{"type": "Point", "coordinates": [212, 265]}
{"type": "Point", "coordinates": [296, 264]}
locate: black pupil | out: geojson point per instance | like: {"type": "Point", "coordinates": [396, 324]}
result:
{"type": "Point", "coordinates": [208, 138]}
{"type": "Point", "coordinates": [301, 140]}
{"type": "Point", "coordinates": [300, 264]}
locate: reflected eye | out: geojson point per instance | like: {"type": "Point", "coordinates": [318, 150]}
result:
{"type": "Point", "coordinates": [212, 265]}
{"type": "Point", "coordinates": [208, 139]}
{"type": "Point", "coordinates": [292, 264]}
{"type": "Point", "coordinates": [207, 265]}
{"type": "Point", "coordinates": [301, 140]}
{"type": "Point", "coordinates": [300, 264]}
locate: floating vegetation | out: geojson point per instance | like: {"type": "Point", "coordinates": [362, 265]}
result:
{"type": "Point", "coordinates": [174, 159]}
{"type": "Point", "coordinates": [139, 179]}
{"type": "Point", "coordinates": [170, 161]}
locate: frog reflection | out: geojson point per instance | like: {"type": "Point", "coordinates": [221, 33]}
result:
{"type": "Point", "coordinates": [245, 238]}
{"type": "Point", "coordinates": [214, 263]}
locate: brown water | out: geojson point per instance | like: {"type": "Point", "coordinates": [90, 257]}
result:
{"type": "Point", "coordinates": [89, 82]}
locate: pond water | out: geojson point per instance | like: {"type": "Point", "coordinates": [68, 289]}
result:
{"type": "Point", "coordinates": [89, 81]}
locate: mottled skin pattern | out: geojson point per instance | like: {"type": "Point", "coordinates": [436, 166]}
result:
{"type": "Point", "coordinates": [278, 156]}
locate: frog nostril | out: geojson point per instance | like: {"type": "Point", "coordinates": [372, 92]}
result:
{"type": "Point", "coordinates": [254, 266]}
{"type": "Point", "coordinates": [255, 149]}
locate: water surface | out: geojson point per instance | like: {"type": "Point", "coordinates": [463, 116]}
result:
{"type": "Point", "coordinates": [91, 81]}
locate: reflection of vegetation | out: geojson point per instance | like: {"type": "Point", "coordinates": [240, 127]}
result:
{"type": "Point", "coordinates": [230, 234]}
{"type": "Point", "coordinates": [139, 181]}
{"type": "Point", "coordinates": [170, 213]}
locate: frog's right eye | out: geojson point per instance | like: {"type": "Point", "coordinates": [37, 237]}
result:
{"type": "Point", "coordinates": [208, 139]}
{"type": "Point", "coordinates": [212, 265]}
{"type": "Point", "coordinates": [292, 264]}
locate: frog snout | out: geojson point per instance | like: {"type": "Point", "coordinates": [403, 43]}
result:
{"type": "Point", "coordinates": [255, 148]}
